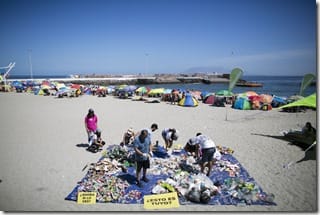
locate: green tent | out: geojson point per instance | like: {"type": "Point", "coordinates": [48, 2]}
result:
{"type": "Point", "coordinates": [310, 101]}
{"type": "Point", "coordinates": [224, 93]}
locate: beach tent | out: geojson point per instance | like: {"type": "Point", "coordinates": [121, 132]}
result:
{"type": "Point", "coordinates": [224, 93]}
{"type": "Point", "coordinates": [209, 99]}
{"type": "Point", "coordinates": [87, 91]}
{"type": "Point", "coordinates": [242, 103]}
{"type": "Point", "coordinates": [39, 92]}
{"type": "Point", "coordinates": [294, 98]}
{"type": "Point", "coordinates": [278, 101]}
{"type": "Point", "coordinates": [310, 102]}
{"type": "Point", "coordinates": [188, 101]}
{"type": "Point", "coordinates": [204, 94]}
{"type": "Point", "coordinates": [16, 84]}
{"type": "Point", "coordinates": [219, 101]}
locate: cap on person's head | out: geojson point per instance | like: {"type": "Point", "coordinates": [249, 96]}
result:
{"type": "Point", "coordinates": [199, 133]}
{"type": "Point", "coordinates": [175, 135]}
{"type": "Point", "coordinates": [91, 110]}
{"type": "Point", "coordinates": [130, 131]}
{"type": "Point", "coordinates": [98, 131]}
{"type": "Point", "coordinates": [192, 141]}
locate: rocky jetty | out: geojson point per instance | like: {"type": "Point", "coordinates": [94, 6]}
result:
{"type": "Point", "coordinates": [145, 80]}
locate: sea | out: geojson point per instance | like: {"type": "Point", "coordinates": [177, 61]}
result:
{"type": "Point", "coordinates": [283, 86]}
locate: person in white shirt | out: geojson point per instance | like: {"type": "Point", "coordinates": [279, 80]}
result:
{"type": "Point", "coordinates": [207, 148]}
{"type": "Point", "coordinates": [169, 135]}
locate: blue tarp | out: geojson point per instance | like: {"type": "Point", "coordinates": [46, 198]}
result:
{"type": "Point", "coordinates": [217, 176]}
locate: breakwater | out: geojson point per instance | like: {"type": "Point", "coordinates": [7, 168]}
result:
{"type": "Point", "coordinates": [134, 80]}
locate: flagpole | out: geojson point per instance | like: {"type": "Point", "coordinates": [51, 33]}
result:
{"type": "Point", "coordinates": [30, 64]}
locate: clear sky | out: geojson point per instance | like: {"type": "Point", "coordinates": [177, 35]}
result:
{"type": "Point", "coordinates": [263, 37]}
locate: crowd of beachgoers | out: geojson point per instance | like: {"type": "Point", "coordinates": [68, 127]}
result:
{"type": "Point", "coordinates": [248, 100]}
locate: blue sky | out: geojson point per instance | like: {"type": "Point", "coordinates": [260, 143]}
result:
{"type": "Point", "coordinates": [274, 37]}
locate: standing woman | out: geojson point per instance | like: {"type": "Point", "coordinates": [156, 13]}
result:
{"type": "Point", "coordinates": [91, 124]}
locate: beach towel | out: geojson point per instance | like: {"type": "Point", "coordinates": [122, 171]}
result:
{"type": "Point", "coordinates": [236, 186]}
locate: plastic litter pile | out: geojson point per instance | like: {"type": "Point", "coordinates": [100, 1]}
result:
{"type": "Point", "coordinates": [113, 179]}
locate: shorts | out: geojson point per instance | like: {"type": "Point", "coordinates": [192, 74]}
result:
{"type": "Point", "coordinates": [143, 164]}
{"type": "Point", "coordinates": [207, 154]}
{"type": "Point", "coordinates": [163, 134]}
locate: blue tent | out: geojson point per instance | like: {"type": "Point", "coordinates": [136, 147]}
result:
{"type": "Point", "coordinates": [242, 104]}
{"type": "Point", "coordinates": [278, 101]}
{"type": "Point", "coordinates": [188, 101]}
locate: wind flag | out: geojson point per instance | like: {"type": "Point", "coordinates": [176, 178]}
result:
{"type": "Point", "coordinates": [234, 77]}
{"type": "Point", "coordinates": [306, 81]}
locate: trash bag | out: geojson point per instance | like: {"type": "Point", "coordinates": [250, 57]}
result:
{"type": "Point", "coordinates": [193, 195]}
{"type": "Point", "coordinates": [205, 196]}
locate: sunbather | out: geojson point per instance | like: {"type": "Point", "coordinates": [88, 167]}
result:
{"type": "Point", "coordinates": [307, 134]}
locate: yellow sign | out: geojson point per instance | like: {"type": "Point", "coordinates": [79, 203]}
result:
{"type": "Point", "coordinates": [87, 197]}
{"type": "Point", "coordinates": [161, 201]}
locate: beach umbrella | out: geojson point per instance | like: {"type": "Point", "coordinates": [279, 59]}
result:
{"type": "Point", "coordinates": [156, 91]}
{"type": "Point", "coordinates": [110, 89]}
{"type": "Point", "coordinates": [196, 94]}
{"type": "Point", "coordinates": [130, 88]}
{"type": "Point", "coordinates": [143, 90]}
{"type": "Point", "coordinates": [254, 98]}
{"type": "Point", "coordinates": [43, 86]}
{"type": "Point", "coordinates": [46, 82]}
{"type": "Point", "coordinates": [30, 83]}
{"type": "Point", "coordinates": [188, 101]}
{"type": "Point", "coordinates": [121, 86]}
{"type": "Point", "coordinates": [224, 93]}
{"type": "Point", "coordinates": [16, 84]}
{"type": "Point", "coordinates": [75, 86]}
{"type": "Point", "coordinates": [248, 93]}
{"type": "Point", "coordinates": [265, 98]}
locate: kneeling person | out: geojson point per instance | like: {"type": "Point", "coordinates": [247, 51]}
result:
{"type": "Point", "coordinates": [97, 142]}
{"type": "Point", "coordinates": [207, 149]}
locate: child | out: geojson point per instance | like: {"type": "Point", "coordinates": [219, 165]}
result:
{"type": "Point", "coordinates": [97, 142]}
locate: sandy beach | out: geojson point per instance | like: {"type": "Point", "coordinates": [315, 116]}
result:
{"type": "Point", "coordinates": [41, 163]}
